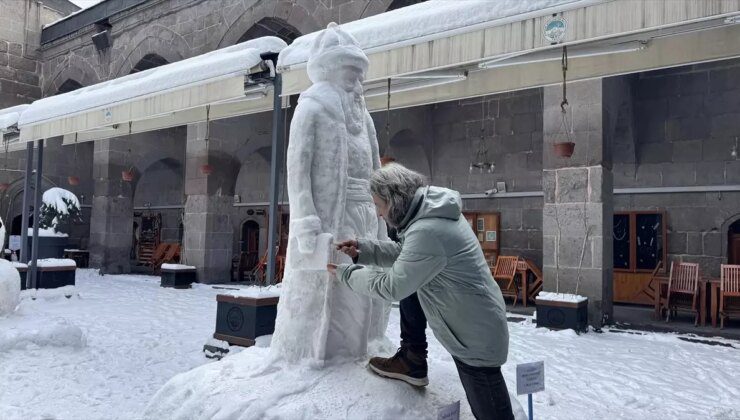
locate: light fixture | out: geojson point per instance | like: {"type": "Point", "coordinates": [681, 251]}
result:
{"type": "Point", "coordinates": [574, 52]}
{"type": "Point", "coordinates": [481, 163]}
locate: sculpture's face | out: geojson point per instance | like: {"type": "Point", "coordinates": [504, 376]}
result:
{"type": "Point", "coordinates": [381, 207]}
{"type": "Point", "coordinates": [350, 78]}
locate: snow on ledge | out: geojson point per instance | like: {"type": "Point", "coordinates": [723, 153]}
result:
{"type": "Point", "coordinates": [10, 116]}
{"type": "Point", "coordinates": [56, 262]}
{"type": "Point", "coordinates": [48, 233]}
{"type": "Point", "coordinates": [255, 292]}
{"type": "Point", "coordinates": [429, 18]}
{"type": "Point", "coordinates": [225, 62]}
{"type": "Point", "coordinates": [17, 264]}
{"type": "Point", "coordinates": [561, 297]}
{"type": "Point", "coordinates": [177, 267]}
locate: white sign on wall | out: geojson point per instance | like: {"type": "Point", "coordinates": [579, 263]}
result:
{"type": "Point", "coordinates": [14, 243]}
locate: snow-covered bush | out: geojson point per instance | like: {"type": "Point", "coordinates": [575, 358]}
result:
{"type": "Point", "coordinates": [59, 207]}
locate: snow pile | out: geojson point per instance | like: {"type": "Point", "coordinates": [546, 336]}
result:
{"type": "Point", "coordinates": [57, 333]}
{"type": "Point", "coordinates": [256, 292]}
{"type": "Point", "coordinates": [17, 264]}
{"type": "Point", "coordinates": [251, 385]}
{"type": "Point", "coordinates": [10, 288]}
{"type": "Point", "coordinates": [429, 18]}
{"type": "Point", "coordinates": [10, 116]}
{"type": "Point", "coordinates": [225, 62]}
{"type": "Point", "coordinates": [49, 294]}
{"type": "Point", "coordinates": [56, 262]}
{"type": "Point", "coordinates": [48, 233]}
{"type": "Point", "coordinates": [177, 267]}
{"type": "Point", "coordinates": [561, 297]}
{"type": "Point", "coordinates": [55, 198]}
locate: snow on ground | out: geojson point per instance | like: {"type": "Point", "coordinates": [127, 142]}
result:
{"type": "Point", "coordinates": [105, 352]}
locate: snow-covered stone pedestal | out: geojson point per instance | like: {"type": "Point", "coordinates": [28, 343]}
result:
{"type": "Point", "coordinates": [53, 273]}
{"type": "Point", "coordinates": [9, 287]}
{"type": "Point", "coordinates": [560, 311]}
{"type": "Point", "coordinates": [241, 319]}
{"type": "Point", "coordinates": [178, 276]}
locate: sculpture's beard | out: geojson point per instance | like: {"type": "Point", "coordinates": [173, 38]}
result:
{"type": "Point", "coordinates": [353, 105]}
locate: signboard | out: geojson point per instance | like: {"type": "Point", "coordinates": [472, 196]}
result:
{"type": "Point", "coordinates": [530, 378]}
{"type": "Point", "coordinates": [491, 236]}
{"type": "Point", "coordinates": [14, 243]}
{"type": "Point", "coordinates": [449, 412]}
{"type": "Point", "coordinates": [554, 30]}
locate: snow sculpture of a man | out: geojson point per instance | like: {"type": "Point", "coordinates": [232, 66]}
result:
{"type": "Point", "coordinates": [332, 151]}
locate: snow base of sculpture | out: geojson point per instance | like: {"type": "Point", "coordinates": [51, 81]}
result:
{"type": "Point", "coordinates": [253, 385]}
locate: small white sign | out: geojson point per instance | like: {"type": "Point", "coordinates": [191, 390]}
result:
{"type": "Point", "coordinates": [14, 243]}
{"type": "Point", "coordinates": [449, 412]}
{"type": "Point", "coordinates": [107, 115]}
{"type": "Point", "coordinates": [530, 378]}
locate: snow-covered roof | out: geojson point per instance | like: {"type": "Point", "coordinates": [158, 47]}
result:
{"type": "Point", "coordinates": [223, 63]}
{"type": "Point", "coordinates": [10, 116]}
{"type": "Point", "coordinates": [432, 18]}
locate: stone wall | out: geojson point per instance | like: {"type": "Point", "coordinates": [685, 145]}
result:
{"type": "Point", "coordinates": [686, 125]}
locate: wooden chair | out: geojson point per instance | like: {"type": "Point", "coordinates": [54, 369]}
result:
{"type": "Point", "coordinates": [157, 255]}
{"type": "Point", "coordinates": [683, 290]}
{"type": "Point", "coordinates": [654, 283]}
{"type": "Point", "coordinates": [729, 292]}
{"type": "Point", "coordinates": [504, 273]}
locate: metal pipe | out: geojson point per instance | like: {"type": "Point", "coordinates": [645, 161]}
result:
{"type": "Point", "coordinates": [37, 204]}
{"type": "Point", "coordinates": [275, 166]}
{"type": "Point", "coordinates": [26, 201]}
{"type": "Point", "coordinates": [618, 191]}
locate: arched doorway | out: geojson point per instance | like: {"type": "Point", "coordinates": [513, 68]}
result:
{"type": "Point", "coordinates": [250, 243]}
{"type": "Point", "coordinates": [68, 86]}
{"type": "Point", "coordinates": [271, 26]}
{"type": "Point", "coordinates": [733, 243]}
{"type": "Point", "coordinates": [147, 62]}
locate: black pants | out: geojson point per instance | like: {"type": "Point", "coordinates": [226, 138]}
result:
{"type": "Point", "coordinates": [413, 325]}
{"type": "Point", "coordinates": [486, 391]}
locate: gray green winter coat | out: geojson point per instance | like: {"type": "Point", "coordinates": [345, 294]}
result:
{"type": "Point", "coordinates": [440, 258]}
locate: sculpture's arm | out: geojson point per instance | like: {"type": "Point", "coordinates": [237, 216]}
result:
{"type": "Point", "coordinates": [305, 224]}
{"type": "Point", "coordinates": [421, 259]}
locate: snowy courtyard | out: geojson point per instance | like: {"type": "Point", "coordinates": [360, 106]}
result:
{"type": "Point", "coordinates": [105, 352]}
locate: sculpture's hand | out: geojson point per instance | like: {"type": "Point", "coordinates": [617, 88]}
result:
{"type": "Point", "coordinates": [348, 247]}
{"type": "Point", "coordinates": [332, 268]}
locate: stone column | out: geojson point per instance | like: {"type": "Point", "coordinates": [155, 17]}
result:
{"type": "Point", "coordinates": [111, 223]}
{"type": "Point", "coordinates": [208, 233]}
{"type": "Point", "coordinates": [578, 209]}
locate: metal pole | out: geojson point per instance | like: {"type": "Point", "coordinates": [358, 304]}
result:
{"type": "Point", "coordinates": [26, 205]}
{"type": "Point", "coordinates": [529, 403]}
{"type": "Point", "coordinates": [275, 167]}
{"type": "Point", "coordinates": [37, 204]}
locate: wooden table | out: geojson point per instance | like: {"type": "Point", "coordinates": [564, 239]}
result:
{"type": "Point", "coordinates": [522, 269]}
{"type": "Point", "coordinates": [704, 284]}
{"type": "Point", "coordinates": [81, 256]}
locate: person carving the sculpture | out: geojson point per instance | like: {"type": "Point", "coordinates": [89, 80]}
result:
{"type": "Point", "coordinates": [332, 152]}
{"type": "Point", "coordinates": [440, 259]}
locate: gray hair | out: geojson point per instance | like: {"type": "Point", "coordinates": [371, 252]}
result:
{"type": "Point", "coordinates": [396, 185]}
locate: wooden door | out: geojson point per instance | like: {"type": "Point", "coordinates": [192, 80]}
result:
{"type": "Point", "coordinates": [733, 249]}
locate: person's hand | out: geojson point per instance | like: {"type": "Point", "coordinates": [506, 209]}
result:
{"type": "Point", "coordinates": [332, 268]}
{"type": "Point", "coordinates": [348, 247]}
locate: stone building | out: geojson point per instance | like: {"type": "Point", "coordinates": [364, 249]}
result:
{"type": "Point", "coordinates": [664, 141]}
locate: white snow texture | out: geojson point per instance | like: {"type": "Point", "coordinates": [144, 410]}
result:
{"type": "Point", "coordinates": [424, 19]}
{"type": "Point", "coordinates": [54, 198]}
{"type": "Point", "coordinates": [10, 282]}
{"type": "Point", "coordinates": [332, 152]}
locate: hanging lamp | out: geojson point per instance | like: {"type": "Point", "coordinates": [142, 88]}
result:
{"type": "Point", "coordinates": [565, 148]}
{"type": "Point", "coordinates": [206, 169]}
{"type": "Point", "coordinates": [74, 180]}
{"type": "Point", "coordinates": [128, 174]}
{"type": "Point", "coordinates": [386, 159]}
{"type": "Point", "coordinates": [481, 162]}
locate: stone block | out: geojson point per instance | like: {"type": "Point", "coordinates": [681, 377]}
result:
{"type": "Point", "coordinates": [511, 219]}
{"type": "Point", "coordinates": [694, 243]}
{"type": "Point", "coordinates": [651, 109]}
{"type": "Point", "coordinates": [712, 244]}
{"type": "Point", "coordinates": [732, 172]}
{"type": "Point", "coordinates": [570, 218]}
{"type": "Point", "coordinates": [679, 174]}
{"type": "Point", "coordinates": [709, 173]}
{"type": "Point", "coordinates": [654, 152]}
{"type": "Point", "coordinates": [3, 46]}
{"type": "Point", "coordinates": [572, 185]}
{"type": "Point", "coordinates": [600, 184]}
{"type": "Point", "coordinates": [22, 63]}
{"type": "Point", "coordinates": [548, 250]}
{"type": "Point", "coordinates": [532, 219]}
{"type": "Point", "coordinates": [570, 249]}
{"type": "Point", "coordinates": [723, 102]}
{"type": "Point", "coordinates": [524, 124]}
{"type": "Point", "coordinates": [687, 151]}
{"type": "Point", "coordinates": [534, 238]}
{"type": "Point", "coordinates": [15, 48]}
{"type": "Point", "coordinates": [517, 239]}
{"type": "Point", "coordinates": [693, 83]}
{"type": "Point", "coordinates": [723, 80]}
{"type": "Point", "coordinates": [725, 124]}
{"type": "Point", "coordinates": [692, 128]}
{"type": "Point", "coordinates": [677, 243]}
{"type": "Point", "coordinates": [693, 219]}
{"type": "Point", "coordinates": [718, 149]}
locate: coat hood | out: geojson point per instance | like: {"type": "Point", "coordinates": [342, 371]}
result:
{"type": "Point", "coordinates": [433, 202]}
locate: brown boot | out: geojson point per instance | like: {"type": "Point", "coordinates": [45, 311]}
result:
{"type": "Point", "coordinates": [404, 365]}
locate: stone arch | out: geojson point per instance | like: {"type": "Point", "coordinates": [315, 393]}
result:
{"type": "Point", "coordinates": [73, 67]}
{"type": "Point", "coordinates": [294, 17]}
{"type": "Point", "coordinates": [160, 183]}
{"type": "Point", "coordinates": [724, 231]}
{"type": "Point", "coordinates": [154, 39]}
{"type": "Point", "coordinates": [397, 4]}
{"type": "Point", "coordinates": [11, 200]}
{"type": "Point", "coordinates": [69, 85]}
{"type": "Point", "coordinates": [408, 150]}
{"type": "Point", "coordinates": [149, 61]}
{"type": "Point", "coordinates": [270, 26]}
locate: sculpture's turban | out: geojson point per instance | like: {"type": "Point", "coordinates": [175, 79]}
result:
{"type": "Point", "coordinates": [332, 49]}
